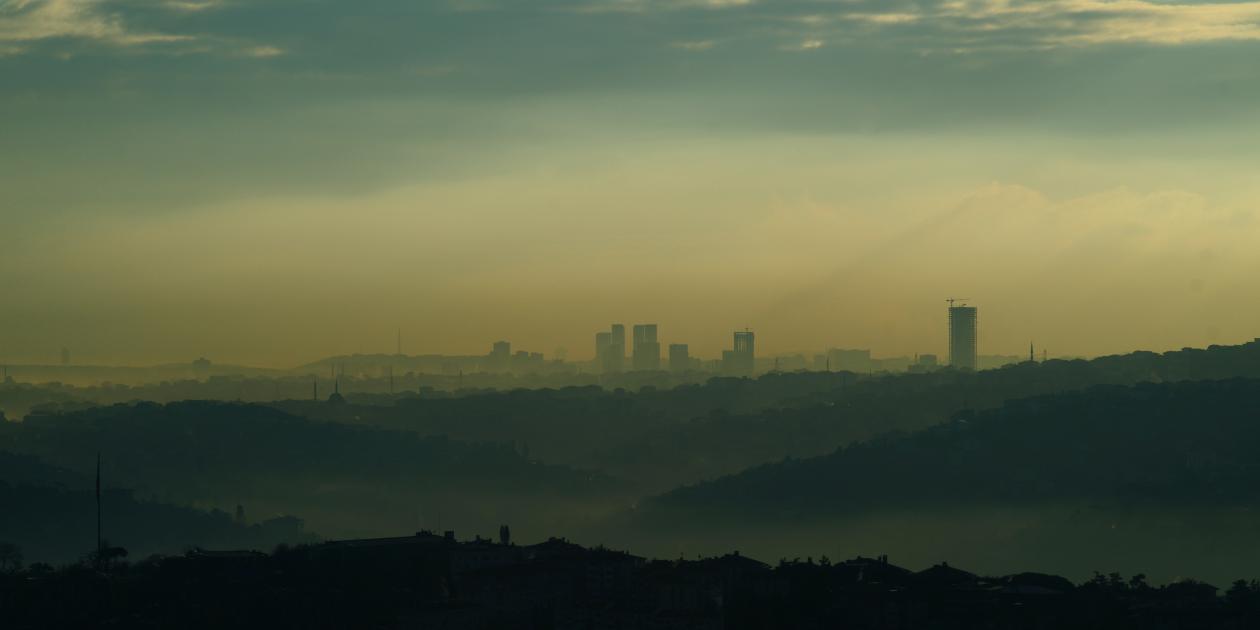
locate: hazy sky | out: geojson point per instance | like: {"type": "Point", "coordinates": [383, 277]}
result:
{"type": "Point", "coordinates": [272, 181]}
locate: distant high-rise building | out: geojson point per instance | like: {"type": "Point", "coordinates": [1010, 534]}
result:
{"type": "Point", "coordinates": [603, 340]}
{"type": "Point", "coordinates": [679, 357]}
{"type": "Point", "coordinates": [500, 358]}
{"type": "Point", "coordinates": [644, 333]}
{"type": "Point", "coordinates": [615, 354]}
{"type": "Point", "coordinates": [647, 351]}
{"type": "Point", "coordinates": [741, 360]}
{"type": "Point", "coordinates": [962, 337]}
{"type": "Point", "coordinates": [65, 356]}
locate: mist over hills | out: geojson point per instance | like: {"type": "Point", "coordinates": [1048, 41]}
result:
{"type": "Point", "coordinates": [1159, 478]}
{"type": "Point", "coordinates": [88, 376]}
{"type": "Point", "coordinates": [1165, 444]}
{"type": "Point", "coordinates": [344, 480]}
{"type": "Point", "coordinates": [49, 513]}
{"type": "Point", "coordinates": [1034, 462]}
{"type": "Point", "coordinates": [662, 438]}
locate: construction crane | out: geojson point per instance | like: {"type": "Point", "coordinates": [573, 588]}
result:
{"type": "Point", "coordinates": [952, 300]}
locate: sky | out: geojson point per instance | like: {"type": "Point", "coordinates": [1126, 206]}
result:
{"type": "Point", "coordinates": [270, 182]}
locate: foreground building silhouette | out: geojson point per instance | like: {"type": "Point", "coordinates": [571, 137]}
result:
{"type": "Point", "coordinates": [434, 581]}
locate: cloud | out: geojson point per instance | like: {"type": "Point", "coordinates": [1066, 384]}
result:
{"type": "Point", "coordinates": [805, 46]}
{"type": "Point", "coordinates": [192, 5]}
{"type": "Point", "coordinates": [695, 46]}
{"type": "Point", "coordinates": [62, 26]}
{"type": "Point", "coordinates": [26, 21]}
{"type": "Point", "coordinates": [979, 24]}
{"type": "Point", "coordinates": [644, 6]}
{"type": "Point", "coordinates": [262, 52]}
{"type": "Point", "coordinates": [1064, 23]}
{"type": "Point", "coordinates": [1141, 21]}
{"type": "Point", "coordinates": [884, 18]}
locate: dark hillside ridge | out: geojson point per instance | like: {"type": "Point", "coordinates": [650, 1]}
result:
{"type": "Point", "coordinates": [1165, 444]}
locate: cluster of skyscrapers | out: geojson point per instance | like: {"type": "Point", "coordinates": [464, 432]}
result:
{"type": "Point", "coordinates": [641, 352]}
{"type": "Point", "coordinates": [645, 352]}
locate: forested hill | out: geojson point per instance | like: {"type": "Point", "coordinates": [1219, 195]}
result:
{"type": "Point", "coordinates": [50, 513]}
{"type": "Point", "coordinates": [1162, 444]}
{"type": "Point", "coordinates": [665, 438]}
{"type": "Point", "coordinates": [345, 480]}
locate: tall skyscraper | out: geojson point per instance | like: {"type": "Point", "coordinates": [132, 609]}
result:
{"type": "Point", "coordinates": [647, 350]}
{"type": "Point", "coordinates": [962, 337]}
{"type": "Point", "coordinates": [679, 357]}
{"type": "Point", "coordinates": [616, 356]}
{"type": "Point", "coordinates": [610, 349]}
{"type": "Point", "coordinates": [741, 361]}
{"type": "Point", "coordinates": [603, 340]}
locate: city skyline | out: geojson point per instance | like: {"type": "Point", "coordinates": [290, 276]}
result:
{"type": "Point", "coordinates": [818, 172]}
{"type": "Point", "coordinates": [503, 348]}
{"type": "Point", "coordinates": [646, 353]}
{"type": "Point", "coordinates": [319, 293]}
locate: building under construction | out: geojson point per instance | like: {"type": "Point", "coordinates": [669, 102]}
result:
{"type": "Point", "coordinates": [962, 336]}
{"type": "Point", "coordinates": [742, 360]}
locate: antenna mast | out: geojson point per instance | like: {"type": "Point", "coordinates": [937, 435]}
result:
{"type": "Point", "coordinates": [99, 550]}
